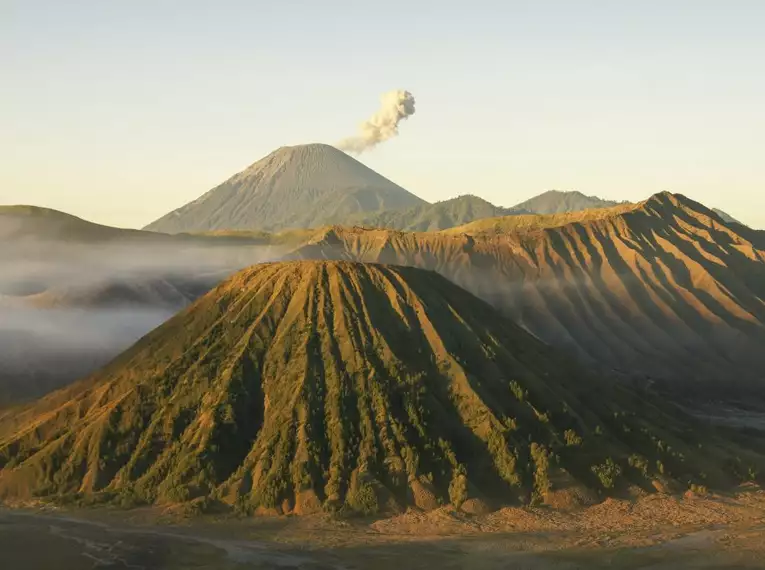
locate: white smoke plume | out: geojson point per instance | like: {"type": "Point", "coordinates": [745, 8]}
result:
{"type": "Point", "coordinates": [383, 125]}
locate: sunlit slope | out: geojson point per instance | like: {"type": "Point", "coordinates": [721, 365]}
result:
{"type": "Point", "coordinates": [665, 289]}
{"type": "Point", "coordinates": [333, 385]}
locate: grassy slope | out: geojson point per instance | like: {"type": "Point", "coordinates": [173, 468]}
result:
{"type": "Point", "coordinates": [310, 385]}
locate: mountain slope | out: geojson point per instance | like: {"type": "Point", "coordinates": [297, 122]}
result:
{"type": "Point", "coordinates": [725, 216]}
{"type": "Point", "coordinates": [32, 222]}
{"type": "Point", "coordinates": [438, 216]}
{"type": "Point", "coordinates": [664, 291]}
{"type": "Point", "coordinates": [293, 187]}
{"type": "Point", "coordinates": [308, 385]}
{"type": "Point", "coordinates": [22, 225]}
{"type": "Point", "coordinates": [557, 202]}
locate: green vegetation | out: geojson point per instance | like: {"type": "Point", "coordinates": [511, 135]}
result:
{"type": "Point", "coordinates": [458, 488]}
{"type": "Point", "coordinates": [572, 438]}
{"type": "Point", "coordinates": [540, 457]}
{"type": "Point", "coordinates": [607, 473]}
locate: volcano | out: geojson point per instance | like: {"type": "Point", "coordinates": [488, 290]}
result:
{"type": "Point", "coordinates": [300, 386]}
{"type": "Point", "coordinates": [293, 187]}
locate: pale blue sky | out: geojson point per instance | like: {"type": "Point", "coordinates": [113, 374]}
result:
{"type": "Point", "coordinates": [119, 111]}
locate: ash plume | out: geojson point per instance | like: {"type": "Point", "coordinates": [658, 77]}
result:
{"type": "Point", "coordinates": [383, 125]}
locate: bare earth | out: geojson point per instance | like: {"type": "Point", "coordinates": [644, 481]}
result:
{"type": "Point", "coordinates": [657, 532]}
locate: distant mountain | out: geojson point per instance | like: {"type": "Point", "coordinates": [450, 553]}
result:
{"type": "Point", "coordinates": [293, 187]}
{"type": "Point", "coordinates": [35, 223]}
{"type": "Point", "coordinates": [725, 216]}
{"type": "Point", "coordinates": [53, 259]}
{"type": "Point", "coordinates": [467, 209]}
{"type": "Point", "coordinates": [324, 386]}
{"type": "Point", "coordinates": [659, 290]}
{"type": "Point", "coordinates": [557, 202]}
{"type": "Point", "coordinates": [518, 223]}
{"type": "Point", "coordinates": [433, 217]}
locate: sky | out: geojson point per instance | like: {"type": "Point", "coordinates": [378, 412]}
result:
{"type": "Point", "coordinates": [121, 111]}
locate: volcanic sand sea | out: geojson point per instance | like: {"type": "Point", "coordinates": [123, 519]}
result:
{"type": "Point", "coordinates": [650, 532]}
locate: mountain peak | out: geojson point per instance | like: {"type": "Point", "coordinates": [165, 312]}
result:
{"type": "Point", "coordinates": [298, 186]}
{"type": "Point", "coordinates": [306, 152]}
{"type": "Point", "coordinates": [309, 147]}
{"type": "Point", "coordinates": [669, 200]}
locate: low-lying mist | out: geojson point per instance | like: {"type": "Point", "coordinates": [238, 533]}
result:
{"type": "Point", "coordinates": [44, 349]}
{"type": "Point", "coordinates": [46, 264]}
{"type": "Point", "coordinates": [67, 309]}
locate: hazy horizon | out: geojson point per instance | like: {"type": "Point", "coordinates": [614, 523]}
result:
{"type": "Point", "coordinates": [119, 113]}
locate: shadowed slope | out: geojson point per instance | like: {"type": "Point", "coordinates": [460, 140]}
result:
{"type": "Point", "coordinates": [293, 187]}
{"type": "Point", "coordinates": [309, 385]}
{"type": "Point", "coordinates": [666, 289]}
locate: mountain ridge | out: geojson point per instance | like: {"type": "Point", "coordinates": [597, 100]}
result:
{"type": "Point", "coordinates": [641, 292]}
